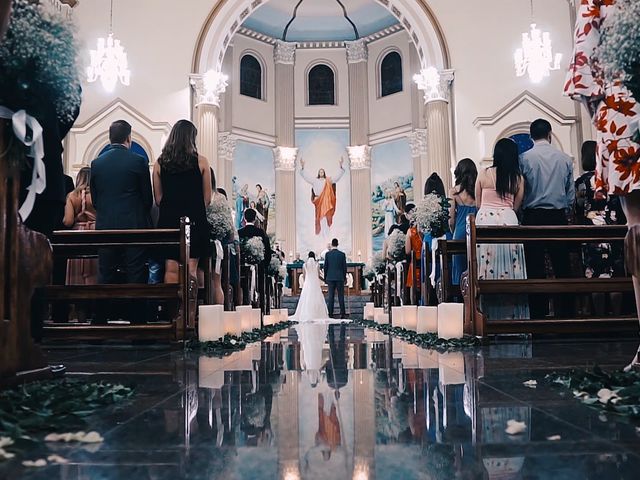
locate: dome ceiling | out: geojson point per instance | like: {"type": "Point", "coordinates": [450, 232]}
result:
{"type": "Point", "coordinates": [318, 20]}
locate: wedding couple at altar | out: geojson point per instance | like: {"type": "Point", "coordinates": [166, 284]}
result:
{"type": "Point", "coordinates": [312, 305]}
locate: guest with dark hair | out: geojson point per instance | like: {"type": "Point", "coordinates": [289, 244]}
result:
{"type": "Point", "coordinates": [596, 207]}
{"type": "Point", "coordinates": [549, 196]}
{"type": "Point", "coordinates": [404, 223]}
{"type": "Point", "coordinates": [250, 230]}
{"type": "Point", "coordinates": [499, 193]}
{"type": "Point", "coordinates": [463, 204]}
{"type": "Point", "coordinates": [434, 184]}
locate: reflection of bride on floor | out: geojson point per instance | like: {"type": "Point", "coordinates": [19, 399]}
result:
{"type": "Point", "coordinates": [311, 305]}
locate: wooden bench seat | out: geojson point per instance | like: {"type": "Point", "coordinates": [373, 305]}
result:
{"type": "Point", "coordinates": [161, 291]}
{"type": "Point", "coordinates": [445, 289]}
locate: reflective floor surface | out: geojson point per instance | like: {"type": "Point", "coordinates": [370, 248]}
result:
{"type": "Point", "coordinates": [339, 402]}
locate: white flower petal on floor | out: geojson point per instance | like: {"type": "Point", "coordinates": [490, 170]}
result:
{"type": "Point", "coordinates": [57, 459]}
{"type": "Point", "coordinates": [41, 462]}
{"type": "Point", "coordinates": [82, 437]}
{"type": "Point", "coordinates": [5, 441]}
{"type": "Point", "coordinates": [530, 383]}
{"type": "Point", "coordinates": [554, 438]}
{"type": "Point", "coordinates": [515, 427]}
{"type": "Point", "coordinates": [605, 396]}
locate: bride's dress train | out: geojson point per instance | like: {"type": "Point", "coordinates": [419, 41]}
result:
{"type": "Point", "coordinates": [312, 305]}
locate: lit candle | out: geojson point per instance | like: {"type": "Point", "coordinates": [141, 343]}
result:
{"type": "Point", "coordinates": [450, 320]}
{"type": "Point", "coordinates": [360, 256]}
{"type": "Point", "coordinates": [398, 348]}
{"type": "Point", "coordinates": [377, 311]}
{"type": "Point", "coordinates": [368, 311]}
{"type": "Point", "coordinates": [427, 320]}
{"type": "Point", "coordinates": [256, 317]}
{"type": "Point", "coordinates": [427, 359]}
{"type": "Point", "coordinates": [290, 256]}
{"type": "Point", "coordinates": [410, 317]}
{"type": "Point", "coordinates": [269, 320]}
{"type": "Point", "coordinates": [396, 317]}
{"type": "Point", "coordinates": [451, 368]}
{"type": "Point", "coordinates": [231, 322]}
{"type": "Point", "coordinates": [210, 323]}
{"type": "Point", "coordinates": [284, 314]}
{"type": "Point", "coordinates": [410, 359]}
{"type": "Point", "coordinates": [210, 372]}
{"type": "Point", "coordinates": [244, 312]}
{"type": "Point", "coordinates": [382, 318]}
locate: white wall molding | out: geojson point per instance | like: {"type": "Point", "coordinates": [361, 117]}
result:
{"type": "Point", "coordinates": [317, 122]}
{"type": "Point", "coordinates": [390, 135]}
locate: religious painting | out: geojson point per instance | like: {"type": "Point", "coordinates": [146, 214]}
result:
{"type": "Point", "coordinates": [254, 185]}
{"type": "Point", "coordinates": [323, 190]}
{"type": "Point", "coordinates": [392, 186]}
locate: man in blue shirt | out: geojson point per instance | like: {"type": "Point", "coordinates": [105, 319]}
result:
{"type": "Point", "coordinates": [548, 198]}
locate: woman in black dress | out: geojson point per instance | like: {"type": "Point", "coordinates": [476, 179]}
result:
{"type": "Point", "coordinates": [182, 188]}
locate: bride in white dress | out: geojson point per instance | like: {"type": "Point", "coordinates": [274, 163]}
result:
{"type": "Point", "coordinates": [312, 305]}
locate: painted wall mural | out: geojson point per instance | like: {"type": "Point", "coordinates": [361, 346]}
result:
{"type": "Point", "coordinates": [254, 184]}
{"type": "Point", "coordinates": [392, 186]}
{"type": "Point", "coordinates": [323, 190]}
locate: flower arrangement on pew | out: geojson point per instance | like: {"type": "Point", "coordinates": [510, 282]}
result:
{"type": "Point", "coordinates": [397, 242]}
{"type": "Point", "coordinates": [432, 215]}
{"type": "Point", "coordinates": [273, 270]}
{"type": "Point", "coordinates": [252, 251]}
{"type": "Point", "coordinates": [219, 218]}
{"type": "Point", "coordinates": [39, 59]}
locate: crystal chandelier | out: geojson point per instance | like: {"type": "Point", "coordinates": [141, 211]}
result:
{"type": "Point", "coordinates": [109, 61]}
{"type": "Point", "coordinates": [536, 55]}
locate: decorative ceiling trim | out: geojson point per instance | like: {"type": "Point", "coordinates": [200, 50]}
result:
{"type": "Point", "coordinates": [526, 97]}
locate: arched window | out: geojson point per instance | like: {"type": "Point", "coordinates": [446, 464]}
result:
{"type": "Point", "coordinates": [391, 74]}
{"type": "Point", "coordinates": [250, 77]}
{"type": "Point", "coordinates": [322, 86]}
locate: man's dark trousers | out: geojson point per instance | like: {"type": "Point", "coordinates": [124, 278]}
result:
{"type": "Point", "coordinates": [333, 286]}
{"type": "Point", "coordinates": [535, 258]}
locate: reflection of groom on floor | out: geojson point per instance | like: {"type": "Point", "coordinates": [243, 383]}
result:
{"type": "Point", "coordinates": [335, 276]}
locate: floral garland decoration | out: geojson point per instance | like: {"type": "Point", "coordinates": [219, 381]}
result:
{"type": "Point", "coordinates": [397, 241]}
{"type": "Point", "coordinates": [431, 215]}
{"type": "Point", "coordinates": [230, 343]}
{"type": "Point", "coordinates": [219, 218]}
{"type": "Point", "coordinates": [619, 49]}
{"type": "Point", "coordinates": [423, 340]}
{"type": "Point", "coordinates": [252, 251]}
{"type": "Point", "coordinates": [39, 60]}
{"type": "Point", "coordinates": [616, 392]}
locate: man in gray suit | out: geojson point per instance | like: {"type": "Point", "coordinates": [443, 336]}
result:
{"type": "Point", "coordinates": [335, 276]}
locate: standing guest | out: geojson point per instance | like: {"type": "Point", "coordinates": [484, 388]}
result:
{"type": "Point", "coordinates": [234, 259]}
{"type": "Point", "coordinates": [595, 207]}
{"type": "Point", "coordinates": [259, 217]}
{"type": "Point", "coordinates": [404, 223]}
{"type": "Point", "coordinates": [499, 194]}
{"type": "Point", "coordinates": [549, 196]}
{"type": "Point", "coordinates": [400, 197]}
{"type": "Point", "coordinates": [80, 214]}
{"type": "Point", "coordinates": [463, 204]}
{"type": "Point", "coordinates": [182, 188]}
{"type": "Point", "coordinates": [262, 206]}
{"type": "Point", "coordinates": [434, 184]}
{"type": "Point", "coordinates": [121, 195]}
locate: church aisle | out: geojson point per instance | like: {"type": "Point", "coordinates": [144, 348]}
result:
{"type": "Point", "coordinates": [355, 404]}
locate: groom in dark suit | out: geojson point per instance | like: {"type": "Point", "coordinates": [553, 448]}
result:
{"type": "Point", "coordinates": [335, 276]}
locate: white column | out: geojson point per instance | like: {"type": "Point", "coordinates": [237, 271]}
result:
{"type": "Point", "coordinates": [226, 148]}
{"type": "Point", "coordinates": [436, 88]}
{"type": "Point", "coordinates": [285, 153]}
{"type": "Point", "coordinates": [207, 89]}
{"type": "Point", "coordinates": [359, 151]}
{"type": "Point", "coordinates": [421, 167]}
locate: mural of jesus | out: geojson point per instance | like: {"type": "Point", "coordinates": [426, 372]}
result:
{"type": "Point", "coordinates": [323, 197]}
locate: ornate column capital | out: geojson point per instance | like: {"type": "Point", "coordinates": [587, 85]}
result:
{"type": "Point", "coordinates": [356, 51]}
{"type": "Point", "coordinates": [435, 85]}
{"type": "Point", "coordinates": [359, 157]}
{"type": "Point", "coordinates": [418, 142]}
{"type": "Point", "coordinates": [284, 52]}
{"type": "Point", "coordinates": [284, 158]}
{"type": "Point", "coordinates": [208, 87]}
{"type": "Point", "coordinates": [226, 146]}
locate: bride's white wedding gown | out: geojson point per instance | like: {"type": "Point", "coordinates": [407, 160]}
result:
{"type": "Point", "coordinates": [312, 305]}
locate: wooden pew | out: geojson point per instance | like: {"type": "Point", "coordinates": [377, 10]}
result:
{"type": "Point", "coordinates": [85, 244]}
{"type": "Point", "coordinates": [472, 287]}
{"type": "Point", "coordinates": [445, 290]}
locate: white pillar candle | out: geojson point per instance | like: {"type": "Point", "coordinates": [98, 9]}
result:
{"type": "Point", "coordinates": [410, 317]}
{"type": "Point", "coordinates": [377, 311]}
{"type": "Point", "coordinates": [210, 323]}
{"type": "Point", "coordinates": [244, 312]}
{"type": "Point", "coordinates": [450, 320]}
{"type": "Point", "coordinates": [427, 359]}
{"type": "Point", "coordinates": [396, 317]}
{"type": "Point", "coordinates": [427, 320]}
{"type": "Point", "coordinates": [368, 311]}
{"type": "Point", "coordinates": [410, 359]}
{"type": "Point", "coordinates": [269, 320]}
{"type": "Point", "coordinates": [382, 318]}
{"type": "Point", "coordinates": [398, 348]}
{"type": "Point", "coordinates": [451, 368]}
{"type": "Point", "coordinates": [210, 372]}
{"type": "Point", "coordinates": [231, 322]}
{"type": "Point", "coordinates": [256, 317]}
{"type": "Point", "coordinates": [284, 314]}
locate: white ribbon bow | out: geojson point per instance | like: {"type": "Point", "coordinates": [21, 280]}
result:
{"type": "Point", "coordinates": [434, 247]}
{"type": "Point", "coordinates": [219, 256]}
{"type": "Point", "coordinates": [399, 278]}
{"type": "Point", "coordinates": [20, 120]}
{"type": "Point", "coordinates": [253, 283]}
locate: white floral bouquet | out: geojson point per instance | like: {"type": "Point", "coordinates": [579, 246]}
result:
{"type": "Point", "coordinates": [252, 250]}
{"type": "Point", "coordinates": [431, 215]}
{"type": "Point", "coordinates": [396, 249]}
{"type": "Point", "coordinates": [274, 267]}
{"type": "Point", "coordinates": [282, 272]}
{"type": "Point", "coordinates": [378, 263]}
{"type": "Point", "coordinates": [38, 61]}
{"type": "Point", "coordinates": [219, 218]}
{"type": "Point", "coordinates": [619, 50]}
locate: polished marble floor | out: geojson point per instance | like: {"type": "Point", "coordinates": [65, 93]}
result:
{"type": "Point", "coordinates": [339, 402]}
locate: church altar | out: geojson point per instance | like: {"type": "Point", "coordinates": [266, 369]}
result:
{"type": "Point", "coordinates": [294, 270]}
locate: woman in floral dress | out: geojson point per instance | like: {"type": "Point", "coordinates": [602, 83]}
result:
{"type": "Point", "coordinates": [615, 114]}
